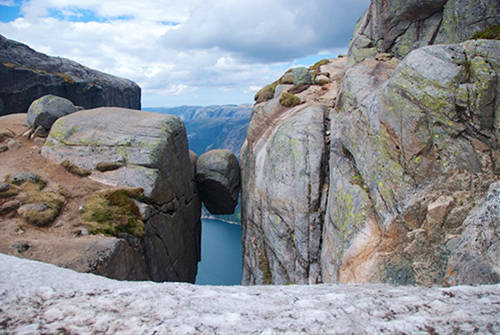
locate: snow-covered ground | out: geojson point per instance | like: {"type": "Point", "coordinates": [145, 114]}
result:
{"type": "Point", "coordinates": [38, 298]}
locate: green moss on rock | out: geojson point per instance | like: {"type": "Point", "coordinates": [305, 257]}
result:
{"type": "Point", "coordinates": [490, 33]}
{"type": "Point", "coordinates": [111, 212]}
{"type": "Point", "coordinates": [318, 64]}
{"type": "Point", "coordinates": [266, 93]}
{"type": "Point", "coordinates": [289, 100]}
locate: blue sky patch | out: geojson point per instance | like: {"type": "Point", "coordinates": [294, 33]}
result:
{"type": "Point", "coordinates": [10, 13]}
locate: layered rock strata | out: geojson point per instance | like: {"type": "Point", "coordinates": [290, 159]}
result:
{"type": "Point", "coordinates": [26, 75]}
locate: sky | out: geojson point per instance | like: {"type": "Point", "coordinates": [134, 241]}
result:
{"type": "Point", "coordinates": [186, 52]}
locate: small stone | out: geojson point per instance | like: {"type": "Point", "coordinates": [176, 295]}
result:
{"type": "Point", "coordinates": [37, 207]}
{"type": "Point", "coordinates": [9, 206]}
{"type": "Point", "coordinates": [73, 169]}
{"type": "Point", "coordinates": [108, 166]}
{"type": "Point", "coordinates": [322, 80]}
{"type": "Point", "coordinates": [19, 247]}
{"type": "Point", "coordinates": [20, 177]}
{"type": "Point", "coordinates": [4, 187]}
{"type": "Point", "coordinates": [3, 148]}
{"type": "Point", "coordinates": [13, 144]}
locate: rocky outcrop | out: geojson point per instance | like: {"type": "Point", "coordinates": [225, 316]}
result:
{"type": "Point", "coordinates": [399, 27]}
{"type": "Point", "coordinates": [380, 179]}
{"type": "Point", "coordinates": [41, 298]}
{"type": "Point", "coordinates": [284, 184]}
{"type": "Point", "coordinates": [218, 181]}
{"type": "Point", "coordinates": [410, 157]}
{"type": "Point", "coordinates": [26, 75]}
{"type": "Point", "coordinates": [45, 111]}
{"type": "Point", "coordinates": [147, 151]}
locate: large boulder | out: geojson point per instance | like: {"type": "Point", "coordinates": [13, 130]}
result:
{"type": "Point", "coordinates": [149, 151]}
{"type": "Point", "coordinates": [26, 75]}
{"type": "Point", "coordinates": [46, 110]}
{"type": "Point", "coordinates": [218, 180]}
{"type": "Point", "coordinates": [399, 27]}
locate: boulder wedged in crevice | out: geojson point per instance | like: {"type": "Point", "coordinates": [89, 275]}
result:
{"type": "Point", "coordinates": [218, 180]}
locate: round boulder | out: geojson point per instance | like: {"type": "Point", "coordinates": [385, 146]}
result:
{"type": "Point", "coordinates": [218, 180]}
{"type": "Point", "coordinates": [46, 110]}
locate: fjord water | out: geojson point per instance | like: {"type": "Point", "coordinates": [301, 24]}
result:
{"type": "Point", "coordinates": [220, 254]}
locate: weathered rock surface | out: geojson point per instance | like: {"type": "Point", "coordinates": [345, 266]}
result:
{"type": "Point", "coordinates": [399, 27]}
{"type": "Point", "coordinates": [408, 162]}
{"type": "Point", "coordinates": [46, 110]}
{"type": "Point", "coordinates": [26, 75]}
{"type": "Point", "coordinates": [218, 180]}
{"type": "Point", "coordinates": [41, 298]}
{"type": "Point", "coordinates": [283, 185]}
{"type": "Point", "coordinates": [152, 153]}
{"type": "Point", "coordinates": [399, 160]}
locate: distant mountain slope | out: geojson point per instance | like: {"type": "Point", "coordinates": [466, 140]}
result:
{"type": "Point", "coordinates": [212, 127]}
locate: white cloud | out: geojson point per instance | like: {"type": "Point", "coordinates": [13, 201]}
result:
{"type": "Point", "coordinates": [190, 48]}
{"type": "Point", "coordinates": [9, 3]}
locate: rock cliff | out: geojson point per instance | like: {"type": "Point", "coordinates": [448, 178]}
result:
{"type": "Point", "coordinates": [399, 27]}
{"type": "Point", "coordinates": [26, 75]}
{"type": "Point", "coordinates": [379, 168]}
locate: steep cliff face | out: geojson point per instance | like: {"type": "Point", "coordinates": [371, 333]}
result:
{"type": "Point", "coordinates": [399, 27]}
{"type": "Point", "coordinates": [284, 181]}
{"type": "Point", "coordinates": [387, 180]}
{"type": "Point", "coordinates": [26, 75]}
{"type": "Point", "coordinates": [410, 157]}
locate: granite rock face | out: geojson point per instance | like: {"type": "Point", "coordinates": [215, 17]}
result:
{"type": "Point", "coordinates": [402, 152]}
{"type": "Point", "coordinates": [410, 157]}
{"type": "Point", "coordinates": [284, 184]}
{"type": "Point", "coordinates": [46, 110]}
{"type": "Point", "coordinates": [42, 298]}
{"type": "Point", "coordinates": [399, 27]}
{"type": "Point", "coordinates": [150, 151]}
{"type": "Point", "coordinates": [26, 75]}
{"type": "Point", "coordinates": [218, 180]}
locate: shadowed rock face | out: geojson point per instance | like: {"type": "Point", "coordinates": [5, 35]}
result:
{"type": "Point", "coordinates": [26, 75]}
{"type": "Point", "coordinates": [402, 26]}
{"type": "Point", "coordinates": [150, 151]}
{"type": "Point", "coordinates": [218, 180]}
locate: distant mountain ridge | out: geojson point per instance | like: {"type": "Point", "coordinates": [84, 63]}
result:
{"type": "Point", "coordinates": [212, 127]}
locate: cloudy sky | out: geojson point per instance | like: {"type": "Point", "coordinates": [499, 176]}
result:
{"type": "Point", "coordinates": [186, 52]}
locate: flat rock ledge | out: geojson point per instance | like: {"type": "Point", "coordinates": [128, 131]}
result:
{"type": "Point", "coordinates": [38, 298]}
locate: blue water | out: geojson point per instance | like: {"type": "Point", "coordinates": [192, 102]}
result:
{"type": "Point", "coordinates": [220, 254]}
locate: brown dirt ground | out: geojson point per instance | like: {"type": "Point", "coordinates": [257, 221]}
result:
{"type": "Point", "coordinates": [57, 243]}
